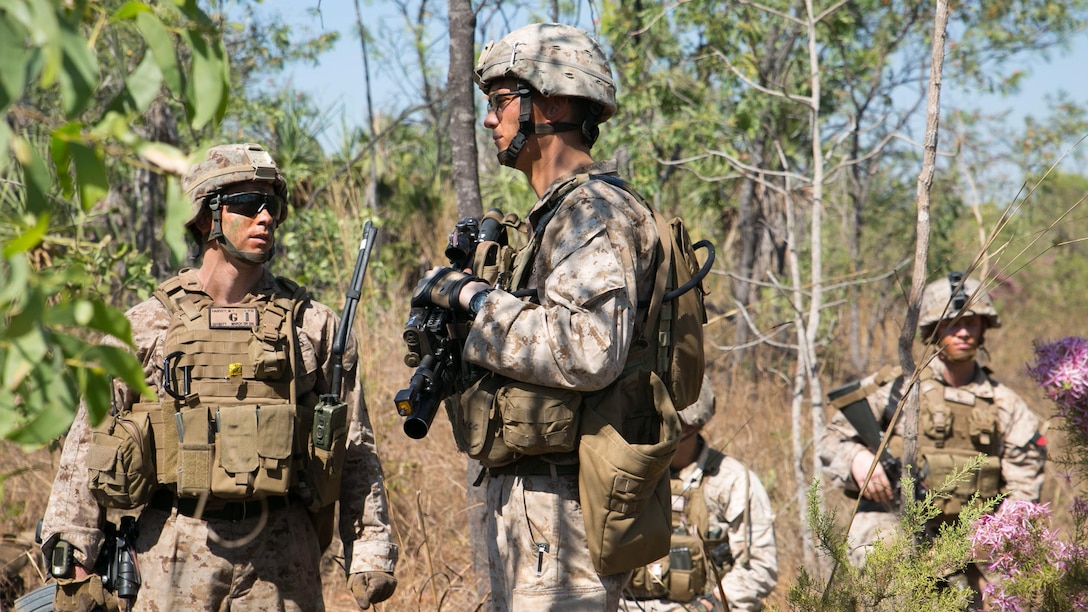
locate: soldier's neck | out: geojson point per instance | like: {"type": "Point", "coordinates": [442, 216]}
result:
{"type": "Point", "coordinates": [958, 373]}
{"type": "Point", "coordinates": [226, 280]}
{"type": "Point", "coordinates": [556, 158]}
{"type": "Point", "coordinates": [687, 451]}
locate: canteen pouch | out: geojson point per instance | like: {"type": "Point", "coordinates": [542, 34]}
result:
{"type": "Point", "coordinates": [538, 420]}
{"type": "Point", "coordinates": [121, 461]}
{"type": "Point", "coordinates": [624, 484]}
{"type": "Point", "coordinates": [678, 576]}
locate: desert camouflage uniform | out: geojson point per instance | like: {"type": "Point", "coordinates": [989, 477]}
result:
{"type": "Point", "coordinates": [1022, 454]}
{"type": "Point", "coordinates": [181, 565]}
{"type": "Point", "coordinates": [594, 263]}
{"type": "Point", "coordinates": [751, 539]}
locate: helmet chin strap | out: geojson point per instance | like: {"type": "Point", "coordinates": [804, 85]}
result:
{"type": "Point", "coordinates": [527, 128]}
{"type": "Point", "coordinates": [228, 246]}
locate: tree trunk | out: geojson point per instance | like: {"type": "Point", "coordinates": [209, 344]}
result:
{"type": "Point", "coordinates": [466, 179]}
{"type": "Point", "coordinates": [921, 251]}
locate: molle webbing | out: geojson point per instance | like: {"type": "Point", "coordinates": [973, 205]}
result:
{"type": "Point", "coordinates": [230, 363]}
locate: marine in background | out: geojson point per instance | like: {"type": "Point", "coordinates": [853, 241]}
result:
{"type": "Point", "coordinates": [723, 531]}
{"type": "Point", "coordinates": [964, 410]}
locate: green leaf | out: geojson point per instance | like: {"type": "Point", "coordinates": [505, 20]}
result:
{"type": "Point", "coordinates": [162, 49]}
{"type": "Point", "coordinates": [142, 85]}
{"type": "Point", "coordinates": [90, 174]}
{"type": "Point", "coordinates": [14, 60]}
{"type": "Point", "coordinates": [5, 145]}
{"type": "Point", "coordinates": [36, 177]}
{"type": "Point", "coordinates": [178, 211]}
{"type": "Point", "coordinates": [96, 393]}
{"type": "Point", "coordinates": [206, 91]}
{"type": "Point", "coordinates": [40, 19]}
{"type": "Point", "coordinates": [92, 314]}
{"type": "Point", "coordinates": [30, 238]}
{"type": "Point", "coordinates": [120, 363]}
{"type": "Point", "coordinates": [27, 352]}
{"type": "Point", "coordinates": [131, 10]}
{"type": "Point", "coordinates": [190, 9]}
{"type": "Point", "coordinates": [79, 77]}
{"type": "Point", "coordinates": [14, 277]}
{"type": "Point", "coordinates": [51, 405]}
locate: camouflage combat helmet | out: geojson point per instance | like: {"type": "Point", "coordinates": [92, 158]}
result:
{"type": "Point", "coordinates": [555, 60]}
{"type": "Point", "coordinates": [228, 164]}
{"type": "Point", "coordinates": [951, 297]}
{"type": "Point", "coordinates": [700, 413]}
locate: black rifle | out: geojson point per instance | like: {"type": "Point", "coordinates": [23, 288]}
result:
{"type": "Point", "coordinates": [434, 335]}
{"type": "Point", "coordinates": [330, 415]}
{"type": "Point", "coordinates": [860, 415]}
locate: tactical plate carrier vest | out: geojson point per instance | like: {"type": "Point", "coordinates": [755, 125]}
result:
{"type": "Point", "coordinates": [229, 421]}
{"type": "Point", "coordinates": [954, 426]}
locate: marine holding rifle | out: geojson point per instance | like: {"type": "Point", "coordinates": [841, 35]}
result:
{"type": "Point", "coordinates": [562, 333]}
{"type": "Point", "coordinates": [235, 469]}
{"type": "Point", "coordinates": [964, 411]}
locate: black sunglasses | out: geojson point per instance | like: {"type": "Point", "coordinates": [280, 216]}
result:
{"type": "Point", "coordinates": [251, 204]}
{"type": "Point", "coordinates": [497, 100]}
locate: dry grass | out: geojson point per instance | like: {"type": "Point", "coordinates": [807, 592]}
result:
{"type": "Point", "coordinates": [428, 481]}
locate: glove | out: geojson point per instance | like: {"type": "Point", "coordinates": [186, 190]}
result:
{"type": "Point", "coordinates": [372, 587]}
{"type": "Point", "coordinates": [441, 287]}
{"type": "Point", "coordinates": [84, 595]}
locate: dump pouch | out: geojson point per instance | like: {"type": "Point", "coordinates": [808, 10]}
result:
{"type": "Point", "coordinates": [120, 461]}
{"type": "Point", "coordinates": [951, 500]}
{"type": "Point", "coordinates": [623, 484]}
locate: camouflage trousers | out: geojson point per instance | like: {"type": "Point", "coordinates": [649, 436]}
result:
{"type": "Point", "coordinates": [182, 567]}
{"type": "Point", "coordinates": [537, 552]}
{"type": "Point", "coordinates": [664, 605]}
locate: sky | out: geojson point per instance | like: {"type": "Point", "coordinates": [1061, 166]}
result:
{"type": "Point", "coordinates": [338, 80]}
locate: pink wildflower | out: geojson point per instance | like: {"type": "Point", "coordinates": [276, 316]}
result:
{"type": "Point", "coordinates": [1061, 369]}
{"type": "Point", "coordinates": [1017, 541]}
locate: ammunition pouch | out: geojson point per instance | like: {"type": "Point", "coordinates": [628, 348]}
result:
{"type": "Point", "coordinates": [678, 576]}
{"type": "Point", "coordinates": [538, 420]}
{"type": "Point", "coordinates": [477, 424]}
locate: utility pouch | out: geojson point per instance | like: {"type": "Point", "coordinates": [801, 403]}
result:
{"type": "Point", "coordinates": [624, 484]}
{"type": "Point", "coordinates": [121, 461]}
{"type": "Point", "coordinates": [269, 360]}
{"type": "Point", "coordinates": [539, 420]}
{"type": "Point", "coordinates": [679, 576]}
{"type": "Point", "coordinates": [477, 425]}
{"type": "Point", "coordinates": [982, 427]}
{"type": "Point", "coordinates": [327, 449]}
{"type": "Point", "coordinates": [936, 422]}
{"type": "Point", "coordinates": [253, 451]}
{"type": "Point", "coordinates": [194, 451]}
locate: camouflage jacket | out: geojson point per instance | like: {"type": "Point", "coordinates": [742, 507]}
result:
{"type": "Point", "coordinates": [74, 516]}
{"type": "Point", "coordinates": [595, 261]}
{"type": "Point", "coordinates": [1022, 447]}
